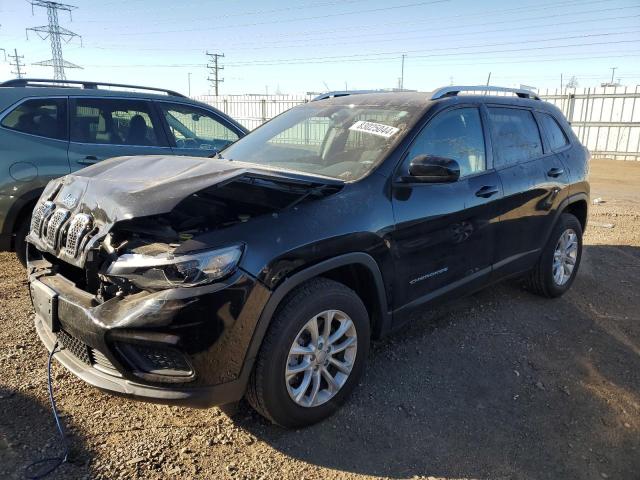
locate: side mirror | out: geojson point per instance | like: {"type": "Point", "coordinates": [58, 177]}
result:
{"type": "Point", "coordinates": [432, 169]}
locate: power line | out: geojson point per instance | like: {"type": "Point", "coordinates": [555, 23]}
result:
{"type": "Point", "coordinates": [245, 13]}
{"type": "Point", "coordinates": [17, 63]}
{"type": "Point", "coordinates": [215, 68]}
{"type": "Point", "coordinates": [449, 29]}
{"type": "Point", "coordinates": [389, 38]}
{"type": "Point", "coordinates": [430, 19]}
{"type": "Point", "coordinates": [538, 58]}
{"type": "Point", "coordinates": [290, 20]}
{"type": "Point", "coordinates": [446, 50]}
{"type": "Point", "coordinates": [55, 33]}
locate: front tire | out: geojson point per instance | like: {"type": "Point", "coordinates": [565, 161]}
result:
{"type": "Point", "coordinates": [312, 355]}
{"type": "Point", "coordinates": [559, 261]}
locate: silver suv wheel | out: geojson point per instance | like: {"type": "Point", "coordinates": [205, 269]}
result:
{"type": "Point", "coordinates": [321, 358]}
{"type": "Point", "coordinates": [564, 256]}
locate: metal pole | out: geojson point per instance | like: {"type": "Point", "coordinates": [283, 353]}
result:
{"type": "Point", "coordinates": [613, 71]}
{"type": "Point", "coordinates": [402, 73]}
{"type": "Point", "coordinates": [189, 81]}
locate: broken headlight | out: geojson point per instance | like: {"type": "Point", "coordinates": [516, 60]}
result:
{"type": "Point", "coordinates": [158, 272]}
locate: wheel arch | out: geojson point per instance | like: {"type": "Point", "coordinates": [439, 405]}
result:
{"type": "Point", "coordinates": [21, 207]}
{"type": "Point", "coordinates": [578, 208]}
{"type": "Point", "coordinates": [354, 270]}
{"type": "Point", "coordinates": [576, 204]}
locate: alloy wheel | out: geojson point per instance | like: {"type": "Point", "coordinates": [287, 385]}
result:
{"type": "Point", "coordinates": [565, 256]}
{"type": "Point", "coordinates": [321, 358]}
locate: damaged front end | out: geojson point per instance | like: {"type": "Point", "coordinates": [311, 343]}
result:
{"type": "Point", "coordinates": [133, 290]}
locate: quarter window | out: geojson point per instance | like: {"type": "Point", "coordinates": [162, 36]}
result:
{"type": "Point", "coordinates": [114, 121]}
{"type": "Point", "coordinates": [517, 138]}
{"type": "Point", "coordinates": [455, 134]}
{"type": "Point", "coordinates": [196, 128]}
{"type": "Point", "coordinates": [46, 117]}
{"type": "Point", "coordinates": [555, 134]}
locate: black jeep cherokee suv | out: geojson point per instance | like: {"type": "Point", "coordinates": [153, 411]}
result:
{"type": "Point", "coordinates": [265, 271]}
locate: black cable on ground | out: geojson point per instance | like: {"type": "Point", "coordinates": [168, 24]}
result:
{"type": "Point", "coordinates": [54, 462]}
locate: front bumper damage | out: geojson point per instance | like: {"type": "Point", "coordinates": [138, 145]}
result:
{"type": "Point", "coordinates": [145, 337]}
{"type": "Point", "coordinates": [210, 326]}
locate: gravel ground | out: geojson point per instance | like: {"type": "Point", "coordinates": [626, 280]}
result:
{"type": "Point", "coordinates": [502, 384]}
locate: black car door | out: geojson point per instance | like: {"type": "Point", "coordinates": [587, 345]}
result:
{"type": "Point", "coordinates": [519, 161]}
{"type": "Point", "coordinates": [445, 232]}
{"type": "Point", "coordinates": [557, 148]}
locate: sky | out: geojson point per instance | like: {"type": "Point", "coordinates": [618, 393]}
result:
{"type": "Point", "coordinates": [315, 46]}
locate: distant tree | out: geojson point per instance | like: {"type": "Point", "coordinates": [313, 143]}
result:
{"type": "Point", "coordinates": [573, 82]}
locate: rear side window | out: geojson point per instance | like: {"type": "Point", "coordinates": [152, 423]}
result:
{"type": "Point", "coordinates": [114, 121]}
{"type": "Point", "coordinates": [45, 117]}
{"type": "Point", "coordinates": [517, 138]}
{"type": "Point", "coordinates": [555, 134]}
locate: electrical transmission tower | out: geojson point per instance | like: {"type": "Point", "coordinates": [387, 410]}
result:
{"type": "Point", "coordinates": [56, 34]}
{"type": "Point", "coordinates": [17, 63]}
{"type": "Point", "coordinates": [215, 68]}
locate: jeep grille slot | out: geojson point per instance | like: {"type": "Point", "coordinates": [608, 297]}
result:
{"type": "Point", "coordinates": [41, 212]}
{"type": "Point", "coordinates": [54, 226]}
{"type": "Point", "coordinates": [78, 228]}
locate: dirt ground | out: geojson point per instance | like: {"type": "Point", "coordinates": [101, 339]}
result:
{"type": "Point", "coordinates": [499, 385]}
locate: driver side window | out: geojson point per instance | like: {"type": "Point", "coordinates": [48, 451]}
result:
{"type": "Point", "coordinates": [455, 134]}
{"type": "Point", "coordinates": [194, 128]}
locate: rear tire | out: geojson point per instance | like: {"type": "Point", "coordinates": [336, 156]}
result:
{"type": "Point", "coordinates": [288, 398]}
{"type": "Point", "coordinates": [20, 243]}
{"type": "Point", "coordinates": [559, 261]}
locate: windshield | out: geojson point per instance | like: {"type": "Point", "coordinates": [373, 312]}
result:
{"type": "Point", "coordinates": [340, 141]}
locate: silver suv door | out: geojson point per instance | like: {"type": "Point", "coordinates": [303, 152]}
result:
{"type": "Point", "coordinates": [33, 150]}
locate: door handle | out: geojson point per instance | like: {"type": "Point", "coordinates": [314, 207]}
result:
{"type": "Point", "coordinates": [487, 191]}
{"type": "Point", "coordinates": [555, 172]}
{"type": "Point", "coordinates": [88, 160]}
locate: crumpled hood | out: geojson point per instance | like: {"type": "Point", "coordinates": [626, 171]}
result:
{"type": "Point", "coordinates": [126, 187]}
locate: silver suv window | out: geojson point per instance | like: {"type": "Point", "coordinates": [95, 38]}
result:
{"type": "Point", "coordinates": [45, 117]}
{"type": "Point", "coordinates": [114, 122]}
{"type": "Point", "coordinates": [196, 128]}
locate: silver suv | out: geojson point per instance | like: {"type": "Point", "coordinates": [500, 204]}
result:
{"type": "Point", "coordinates": [51, 128]}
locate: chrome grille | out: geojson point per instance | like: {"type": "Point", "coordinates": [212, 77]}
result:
{"type": "Point", "coordinates": [75, 346]}
{"type": "Point", "coordinates": [78, 228]}
{"type": "Point", "coordinates": [40, 213]}
{"type": "Point", "coordinates": [102, 363]}
{"type": "Point", "coordinates": [54, 226]}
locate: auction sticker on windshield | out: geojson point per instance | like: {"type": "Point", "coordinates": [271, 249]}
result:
{"type": "Point", "coordinates": [374, 128]}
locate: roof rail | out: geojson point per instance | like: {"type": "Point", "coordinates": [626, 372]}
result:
{"type": "Point", "coordinates": [453, 90]}
{"type": "Point", "coordinates": [45, 82]}
{"type": "Point", "coordinates": [342, 93]}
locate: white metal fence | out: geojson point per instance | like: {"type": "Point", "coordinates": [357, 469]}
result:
{"type": "Point", "coordinates": [605, 119]}
{"type": "Point", "coordinates": [253, 110]}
